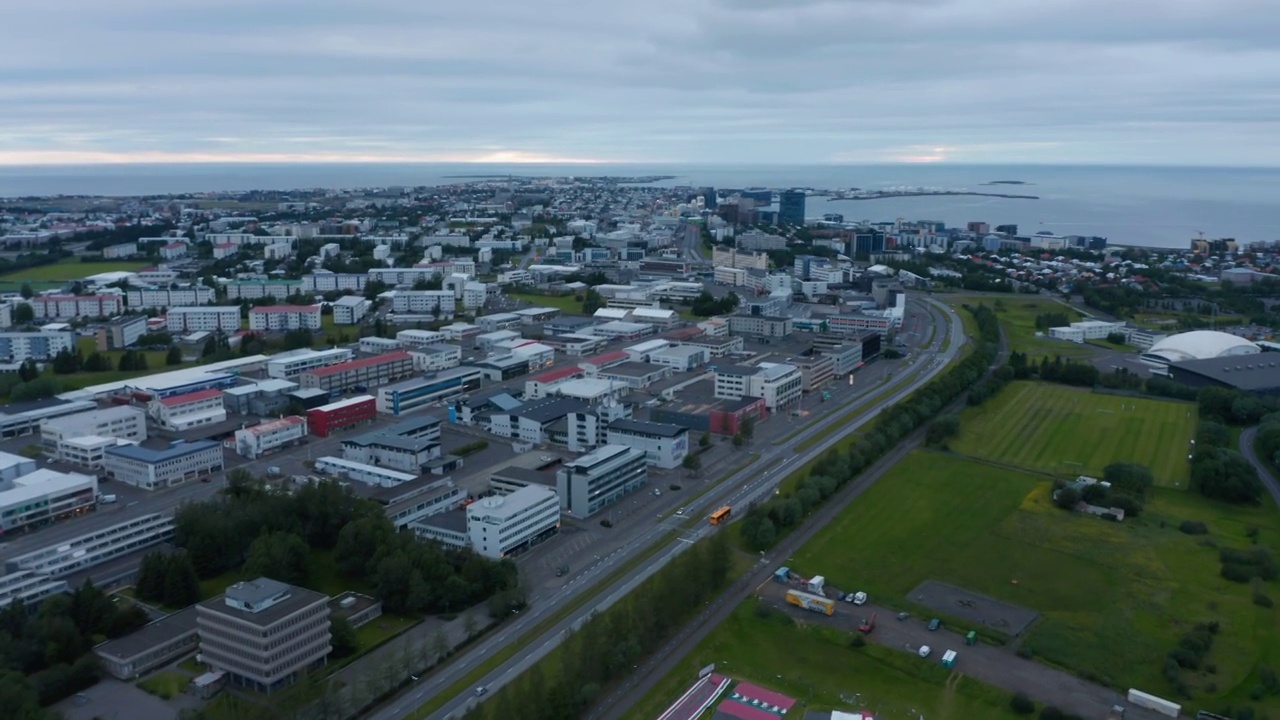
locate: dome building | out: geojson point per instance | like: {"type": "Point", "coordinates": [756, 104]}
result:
{"type": "Point", "coordinates": [1196, 345]}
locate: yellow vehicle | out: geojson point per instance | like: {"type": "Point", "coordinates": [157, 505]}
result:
{"type": "Point", "coordinates": [721, 515]}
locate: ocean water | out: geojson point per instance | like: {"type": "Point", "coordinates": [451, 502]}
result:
{"type": "Point", "coordinates": [1150, 206]}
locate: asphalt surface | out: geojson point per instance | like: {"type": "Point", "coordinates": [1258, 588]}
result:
{"type": "Point", "coordinates": [1264, 473]}
{"type": "Point", "coordinates": [745, 487]}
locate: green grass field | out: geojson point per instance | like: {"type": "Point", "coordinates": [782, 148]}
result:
{"type": "Point", "coordinates": [816, 665]}
{"type": "Point", "coordinates": [1017, 316]}
{"type": "Point", "coordinates": [565, 303]}
{"type": "Point", "coordinates": [165, 685]}
{"type": "Point", "coordinates": [1114, 598]}
{"type": "Point", "coordinates": [1063, 430]}
{"type": "Point", "coordinates": [67, 270]}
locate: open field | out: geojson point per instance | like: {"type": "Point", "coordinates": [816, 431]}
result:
{"type": "Point", "coordinates": [1071, 431]}
{"type": "Point", "coordinates": [165, 685]}
{"type": "Point", "coordinates": [71, 269]}
{"type": "Point", "coordinates": [1114, 598]}
{"type": "Point", "coordinates": [1017, 316]}
{"type": "Point", "coordinates": [816, 665]}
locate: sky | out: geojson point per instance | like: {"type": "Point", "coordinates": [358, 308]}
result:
{"type": "Point", "coordinates": [1164, 82]}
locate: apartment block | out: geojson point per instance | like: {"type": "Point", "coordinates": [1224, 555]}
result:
{"type": "Point", "coordinates": [164, 297]}
{"type": "Point", "coordinates": [350, 310]}
{"type": "Point", "coordinates": [263, 633]}
{"type": "Point", "coordinates": [254, 289]}
{"type": "Point", "coordinates": [209, 318]}
{"type": "Point", "coordinates": [329, 282]}
{"type": "Point", "coordinates": [120, 333]}
{"type": "Point", "coordinates": [59, 307]}
{"type": "Point", "coordinates": [284, 317]}
{"type": "Point", "coordinates": [16, 347]}
{"type": "Point", "coordinates": [154, 468]}
{"type": "Point", "coordinates": [424, 302]}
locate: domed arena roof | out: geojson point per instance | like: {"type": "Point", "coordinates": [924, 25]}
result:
{"type": "Point", "coordinates": [1199, 345]}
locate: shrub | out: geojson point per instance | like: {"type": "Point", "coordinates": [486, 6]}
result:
{"type": "Point", "coordinates": [1262, 600]}
{"type": "Point", "coordinates": [1193, 527]}
{"type": "Point", "coordinates": [1050, 712]}
{"type": "Point", "coordinates": [1021, 704]}
{"type": "Point", "coordinates": [858, 641]}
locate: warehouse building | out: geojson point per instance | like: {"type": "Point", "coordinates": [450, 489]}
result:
{"type": "Point", "coordinates": [153, 468]}
{"type": "Point", "coordinates": [342, 414]}
{"type": "Point", "coordinates": [360, 375]}
{"type": "Point", "coordinates": [290, 364]}
{"type": "Point", "coordinates": [418, 393]}
{"type": "Point", "coordinates": [1258, 373]}
{"type": "Point", "coordinates": [407, 446]}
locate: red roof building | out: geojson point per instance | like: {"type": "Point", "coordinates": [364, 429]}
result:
{"type": "Point", "coordinates": [364, 373]}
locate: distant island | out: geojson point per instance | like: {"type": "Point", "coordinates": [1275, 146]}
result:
{"type": "Point", "coordinates": [1007, 182]}
{"type": "Point", "coordinates": [926, 193]}
{"type": "Point", "coordinates": [615, 179]}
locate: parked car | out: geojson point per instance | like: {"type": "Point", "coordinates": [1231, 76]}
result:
{"type": "Point", "coordinates": [481, 690]}
{"type": "Point", "coordinates": [859, 598]}
{"type": "Point", "coordinates": [934, 624]}
{"type": "Point", "coordinates": [924, 651]}
{"type": "Point", "coordinates": [904, 615]}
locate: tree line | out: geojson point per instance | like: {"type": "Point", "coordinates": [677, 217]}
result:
{"type": "Point", "coordinates": [766, 523]}
{"type": "Point", "coordinates": [610, 644]}
{"type": "Point", "coordinates": [46, 656]}
{"type": "Point", "coordinates": [276, 534]}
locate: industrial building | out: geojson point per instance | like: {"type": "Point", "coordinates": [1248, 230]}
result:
{"type": "Point", "coordinates": [264, 634]}
{"type": "Point", "coordinates": [434, 358]}
{"type": "Point", "coordinates": [292, 363]}
{"type": "Point", "coordinates": [360, 375]}
{"type": "Point", "coordinates": [264, 397]}
{"type": "Point", "coordinates": [362, 472]}
{"type": "Point", "coordinates": [181, 413]}
{"type": "Point", "coordinates": [153, 468]}
{"type": "Point", "coordinates": [600, 478]}
{"type": "Point", "coordinates": [421, 392]}
{"type": "Point", "coordinates": [254, 442]}
{"type": "Point", "coordinates": [1255, 373]}
{"type": "Point", "coordinates": [121, 422]}
{"type": "Point", "coordinates": [43, 497]}
{"type": "Point", "coordinates": [342, 414]}
{"type": "Point", "coordinates": [24, 418]}
{"type": "Point", "coordinates": [406, 446]}
{"type": "Point", "coordinates": [95, 548]}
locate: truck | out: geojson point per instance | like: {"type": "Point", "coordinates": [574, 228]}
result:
{"type": "Point", "coordinates": [107, 499]}
{"type": "Point", "coordinates": [867, 624]}
{"type": "Point", "coordinates": [810, 602]}
{"type": "Point", "coordinates": [1151, 702]}
{"type": "Point", "coordinates": [817, 585]}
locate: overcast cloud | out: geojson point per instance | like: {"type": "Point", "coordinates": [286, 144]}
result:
{"type": "Point", "coordinates": [741, 81]}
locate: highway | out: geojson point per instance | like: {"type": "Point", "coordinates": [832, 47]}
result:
{"type": "Point", "coordinates": [742, 489]}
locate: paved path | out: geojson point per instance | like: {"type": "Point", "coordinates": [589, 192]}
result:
{"type": "Point", "coordinates": [1264, 473]}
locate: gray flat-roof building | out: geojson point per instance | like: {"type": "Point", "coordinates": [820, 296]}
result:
{"type": "Point", "coordinates": [149, 647]}
{"type": "Point", "coordinates": [264, 633]}
{"type": "Point", "coordinates": [600, 478]}
{"type": "Point", "coordinates": [1257, 373]}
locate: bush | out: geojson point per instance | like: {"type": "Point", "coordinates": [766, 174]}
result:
{"type": "Point", "coordinates": [1021, 704]}
{"type": "Point", "coordinates": [1262, 600]}
{"type": "Point", "coordinates": [1193, 527]}
{"type": "Point", "coordinates": [1050, 712]}
{"type": "Point", "coordinates": [858, 641]}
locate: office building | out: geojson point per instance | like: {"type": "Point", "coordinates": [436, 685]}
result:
{"type": "Point", "coordinates": [121, 332]}
{"type": "Point", "coordinates": [342, 414]}
{"type": "Point", "coordinates": [499, 526]}
{"type": "Point", "coordinates": [284, 317]}
{"type": "Point", "coordinates": [723, 257]}
{"type": "Point", "coordinates": [95, 548]}
{"type": "Point", "coordinates": [209, 318]}
{"type": "Point", "coordinates": [791, 208]}
{"type": "Point", "coordinates": [350, 310]}
{"type": "Point", "coordinates": [779, 384]}
{"type": "Point", "coordinates": [255, 289]}
{"type": "Point", "coordinates": [600, 478]}
{"type": "Point", "coordinates": [152, 646]}
{"type": "Point", "coordinates": [815, 371]}
{"type": "Point", "coordinates": [122, 421]}
{"type": "Point", "coordinates": [264, 634]}
{"type": "Point", "coordinates": [434, 358]}
{"type": "Point", "coordinates": [360, 375]}
{"type": "Point", "coordinates": [44, 497]}
{"type": "Point", "coordinates": [664, 445]}
{"type": "Point", "coordinates": [408, 446]}
{"type": "Point", "coordinates": [290, 364]}
{"type": "Point", "coordinates": [166, 297]}
{"type": "Point", "coordinates": [153, 468]}
{"type": "Point", "coordinates": [181, 413]}
{"type": "Point", "coordinates": [420, 392]}
{"type": "Point", "coordinates": [62, 307]}
{"type": "Point", "coordinates": [16, 347]}
{"type": "Point", "coordinates": [254, 442]}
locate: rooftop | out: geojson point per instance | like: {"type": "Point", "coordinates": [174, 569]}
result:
{"type": "Point", "coordinates": [1255, 372]}
{"type": "Point", "coordinates": [606, 358]}
{"type": "Point", "coordinates": [285, 309]}
{"type": "Point", "coordinates": [351, 365]}
{"type": "Point", "coordinates": [643, 427]}
{"type": "Point", "coordinates": [548, 410]}
{"type": "Point", "coordinates": [274, 425]}
{"type": "Point", "coordinates": [176, 400]}
{"type": "Point", "coordinates": [345, 402]}
{"type": "Point", "coordinates": [452, 520]}
{"type": "Point", "coordinates": [600, 455]}
{"type": "Point", "coordinates": [634, 369]}
{"type": "Point", "coordinates": [258, 590]}
{"type": "Point", "coordinates": [149, 636]}
{"type": "Point", "coordinates": [554, 375]}
{"type": "Point", "coordinates": [501, 508]}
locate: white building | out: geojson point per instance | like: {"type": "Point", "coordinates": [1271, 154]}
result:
{"type": "Point", "coordinates": [237, 238]}
{"type": "Point", "coordinates": [150, 469]}
{"type": "Point", "coordinates": [122, 421]}
{"type": "Point", "coordinates": [474, 295]}
{"type": "Point", "coordinates": [174, 250]}
{"type": "Point", "coordinates": [682, 358]}
{"type": "Point", "coordinates": [224, 250]}
{"type": "Point", "coordinates": [412, 339]}
{"type": "Point", "coordinates": [169, 297]}
{"type": "Point", "coordinates": [361, 472]}
{"type": "Point", "coordinates": [253, 442]}
{"type": "Point", "coordinates": [501, 525]}
{"type": "Point", "coordinates": [664, 445]}
{"type": "Point", "coordinates": [1087, 330]}
{"type": "Point", "coordinates": [350, 310]}
{"type": "Point", "coordinates": [44, 496]}
{"type": "Point", "coordinates": [16, 347]}
{"type": "Point", "coordinates": [54, 307]}
{"type": "Point", "coordinates": [778, 383]}
{"type": "Point", "coordinates": [255, 289]}
{"type": "Point", "coordinates": [123, 250]}
{"type": "Point", "coordinates": [180, 413]}
{"type": "Point", "coordinates": [600, 478]}
{"type": "Point", "coordinates": [321, 282]}
{"type": "Point", "coordinates": [210, 318]}
{"type": "Point", "coordinates": [285, 317]}
{"type": "Point", "coordinates": [290, 364]}
{"type": "Point", "coordinates": [433, 358]}
{"type": "Point", "coordinates": [424, 302]}
{"type": "Point", "coordinates": [277, 251]}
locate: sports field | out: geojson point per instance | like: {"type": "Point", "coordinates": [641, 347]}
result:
{"type": "Point", "coordinates": [1017, 317]}
{"type": "Point", "coordinates": [68, 270]}
{"type": "Point", "coordinates": [1063, 430]}
{"type": "Point", "coordinates": [1114, 598]}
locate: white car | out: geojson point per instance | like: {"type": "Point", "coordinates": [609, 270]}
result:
{"type": "Point", "coordinates": [859, 598]}
{"type": "Point", "coordinates": [925, 650]}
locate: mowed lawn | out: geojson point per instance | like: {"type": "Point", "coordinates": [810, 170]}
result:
{"type": "Point", "coordinates": [1114, 598]}
{"type": "Point", "coordinates": [1017, 317]}
{"type": "Point", "coordinates": [816, 666]}
{"type": "Point", "coordinates": [566, 304]}
{"type": "Point", "coordinates": [1063, 430]}
{"type": "Point", "coordinates": [68, 270]}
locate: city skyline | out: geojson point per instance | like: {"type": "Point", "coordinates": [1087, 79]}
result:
{"type": "Point", "coordinates": [1180, 82]}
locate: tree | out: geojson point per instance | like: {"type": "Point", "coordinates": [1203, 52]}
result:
{"type": "Point", "coordinates": [705, 440]}
{"type": "Point", "coordinates": [439, 645]}
{"type": "Point", "coordinates": [23, 313]}
{"type": "Point", "coordinates": [174, 356]}
{"type": "Point", "coordinates": [692, 463]}
{"type": "Point", "coordinates": [739, 440]}
{"type": "Point", "coordinates": [210, 347]}
{"type": "Point", "coordinates": [97, 362]}
{"type": "Point", "coordinates": [27, 292]}
{"type": "Point", "coordinates": [1021, 704]}
{"type": "Point", "coordinates": [1067, 498]}
{"type": "Point", "coordinates": [181, 584]}
{"type": "Point", "coordinates": [747, 427]}
{"type": "Point", "coordinates": [342, 637]}
{"type": "Point", "coordinates": [469, 625]}
{"type": "Point", "coordinates": [28, 370]}
{"type": "Point", "coordinates": [281, 556]}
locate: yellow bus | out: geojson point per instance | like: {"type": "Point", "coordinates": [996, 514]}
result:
{"type": "Point", "coordinates": [721, 515]}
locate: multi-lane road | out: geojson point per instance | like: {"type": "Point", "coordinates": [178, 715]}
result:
{"type": "Point", "coordinates": [743, 488]}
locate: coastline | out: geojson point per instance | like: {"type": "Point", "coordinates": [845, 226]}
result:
{"type": "Point", "coordinates": [940, 193]}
